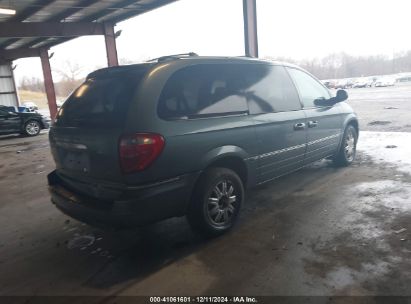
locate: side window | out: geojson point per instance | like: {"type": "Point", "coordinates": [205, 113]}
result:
{"type": "Point", "coordinates": [309, 88]}
{"type": "Point", "coordinates": [270, 89]}
{"type": "Point", "coordinates": [203, 90]}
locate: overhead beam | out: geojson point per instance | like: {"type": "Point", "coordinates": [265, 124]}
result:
{"type": "Point", "coordinates": [72, 10]}
{"type": "Point", "coordinates": [13, 54]}
{"type": "Point", "coordinates": [144, 8]}
{"type": "Point", "coordinates": [23, 15]}
{"type": "Point", "coordinates": [63, 15]}
{"type": "Point", "coordinates": [30, 10]}
{"type": "Point", "coordinates": [50, 29]}
{"type": "Point", "coordinates": [103, 13]}
{"type": "Point", "coordinates": [122, 4]}
{"type": "Point", "coordinates": [250, 28]}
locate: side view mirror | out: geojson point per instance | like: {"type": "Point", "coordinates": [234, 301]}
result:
{"type": "Point", "coordinates": [342, 95]}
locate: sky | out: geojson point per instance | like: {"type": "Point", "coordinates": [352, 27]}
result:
{"type": "Point", "coordinates": [297, 29]}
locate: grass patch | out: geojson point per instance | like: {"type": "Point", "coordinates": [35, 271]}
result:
{"type": "Point", "coordinates": [39, 98]}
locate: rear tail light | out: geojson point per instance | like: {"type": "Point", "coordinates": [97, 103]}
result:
{"type": "Point", "coordinates": [138, 151]}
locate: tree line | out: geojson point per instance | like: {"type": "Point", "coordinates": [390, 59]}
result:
{"type": "Point", "coordinates": [342, 65]}
{"type": "Point", "coordinates": [70, 78]}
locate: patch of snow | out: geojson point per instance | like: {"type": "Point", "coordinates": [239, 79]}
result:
{"type": "Point", "coordinates": [375, 145]}
{"type": "Point", "coordinates": [388, 194]}
{"type": "Point", "coordinates": [373, 201]}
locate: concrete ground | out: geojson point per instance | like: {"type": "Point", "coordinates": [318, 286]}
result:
{"type": "Point", "coordinates": [319, 231]}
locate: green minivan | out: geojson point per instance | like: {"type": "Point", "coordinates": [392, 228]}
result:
{"type": "Point", "coordinates": [187, 135]}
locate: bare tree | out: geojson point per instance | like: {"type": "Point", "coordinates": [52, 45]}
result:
{"type": "Point", "coordinates": [71, 78]}
{"type": "Point", "coordinates": [70, 70]}
{"type": "Point", "coordinates": [31, 84]}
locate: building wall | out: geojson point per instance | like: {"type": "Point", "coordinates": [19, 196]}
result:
{"type": "Point", "coordinates": [8, 92]}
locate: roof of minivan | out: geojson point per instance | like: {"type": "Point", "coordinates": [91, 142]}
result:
{"type": "Point", "coordinates": [121, 68]}
{"type": "Point", "coordinates": [149, 64]}
{"type": "Point", "coordinates": [234, 58]}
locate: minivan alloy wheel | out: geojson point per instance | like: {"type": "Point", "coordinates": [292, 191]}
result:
{"type": "Point", "coordinates": [221, 203]}
{"type": "Point", "coordinates": [349, 146]}
{"type": "Point", "coordinates": [346, 153]}
{"type": "Point", "coordinates": [216, 201]}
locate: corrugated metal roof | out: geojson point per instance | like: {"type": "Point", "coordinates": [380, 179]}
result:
{"type": "Point", "coordinates": [69, 11]}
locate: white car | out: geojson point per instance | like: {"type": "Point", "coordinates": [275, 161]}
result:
{"type": "Point", "coordinates": [385, 82]}
{"type": "Point", "coordinates": [360, 83]}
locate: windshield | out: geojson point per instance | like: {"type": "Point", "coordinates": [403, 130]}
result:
{"type": "Point", "coordinates": [103, 100]}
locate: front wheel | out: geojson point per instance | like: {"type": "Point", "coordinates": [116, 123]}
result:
{"type": "Point", "coordinates": [32, 128]}
{"type": "Point", "coordinates": [216, 202]}
{"type": "Point", "coordinates": [348, 149]}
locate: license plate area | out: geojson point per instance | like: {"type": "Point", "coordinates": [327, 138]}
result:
{"type": "Point", "coordinates": [75, 160]}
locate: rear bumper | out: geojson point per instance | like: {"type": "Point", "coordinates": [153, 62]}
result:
{"type": "Point", "coordinates": [143, 204]}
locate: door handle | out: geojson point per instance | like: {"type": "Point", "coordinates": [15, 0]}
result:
{"type": "Point", "coordinates": [299, 126]}
{"type": "Point", "coordinates": [312, 124]}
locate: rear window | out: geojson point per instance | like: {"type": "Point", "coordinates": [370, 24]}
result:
{"type": "Point", "coordinates": [103, 100]}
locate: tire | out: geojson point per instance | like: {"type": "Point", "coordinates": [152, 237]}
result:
{"type": "Point", "coordinates": [216, 202]}
{"type": "Point", "coordinates": [32, 128]}
{"type": "Point", "coordinates": [346, 154]}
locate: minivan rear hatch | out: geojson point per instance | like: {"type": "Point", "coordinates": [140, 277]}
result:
{"type": "Point", "coordinates": [84, 139]}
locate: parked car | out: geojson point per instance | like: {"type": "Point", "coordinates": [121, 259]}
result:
{"type": "Point", "coordinates": [370, 82]}
{"type": "Point", "coordinates": [27, 123]}
{"type": "Point", "coordinates": [187, 135]}
{"type": "Point", "coordinates": [31, 106]}
{"type": "Point", "coordinates": [344, 84]}
{"type": "Point", "coordinates": [385, 82]}
{"type": "Point", "coordinates": [329, 84]}
{"type": "Point", "coordinates": [363, 83]}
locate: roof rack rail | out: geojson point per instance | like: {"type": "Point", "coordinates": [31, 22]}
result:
{"type": "Point", "coordinates": [175, 56]}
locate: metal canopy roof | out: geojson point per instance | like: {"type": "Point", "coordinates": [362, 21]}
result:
{"type": "Point", "coordinates": [43, 16]}
{"type": "Point", "coordinates": [41, 24]}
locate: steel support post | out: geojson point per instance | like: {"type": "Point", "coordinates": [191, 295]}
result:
{"type": "Point", "coordinates": [250, 28]}
{"type": "Point", "coordinates": [48, 83]}
{"type": "Point", "coordinates": [111, 47]}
